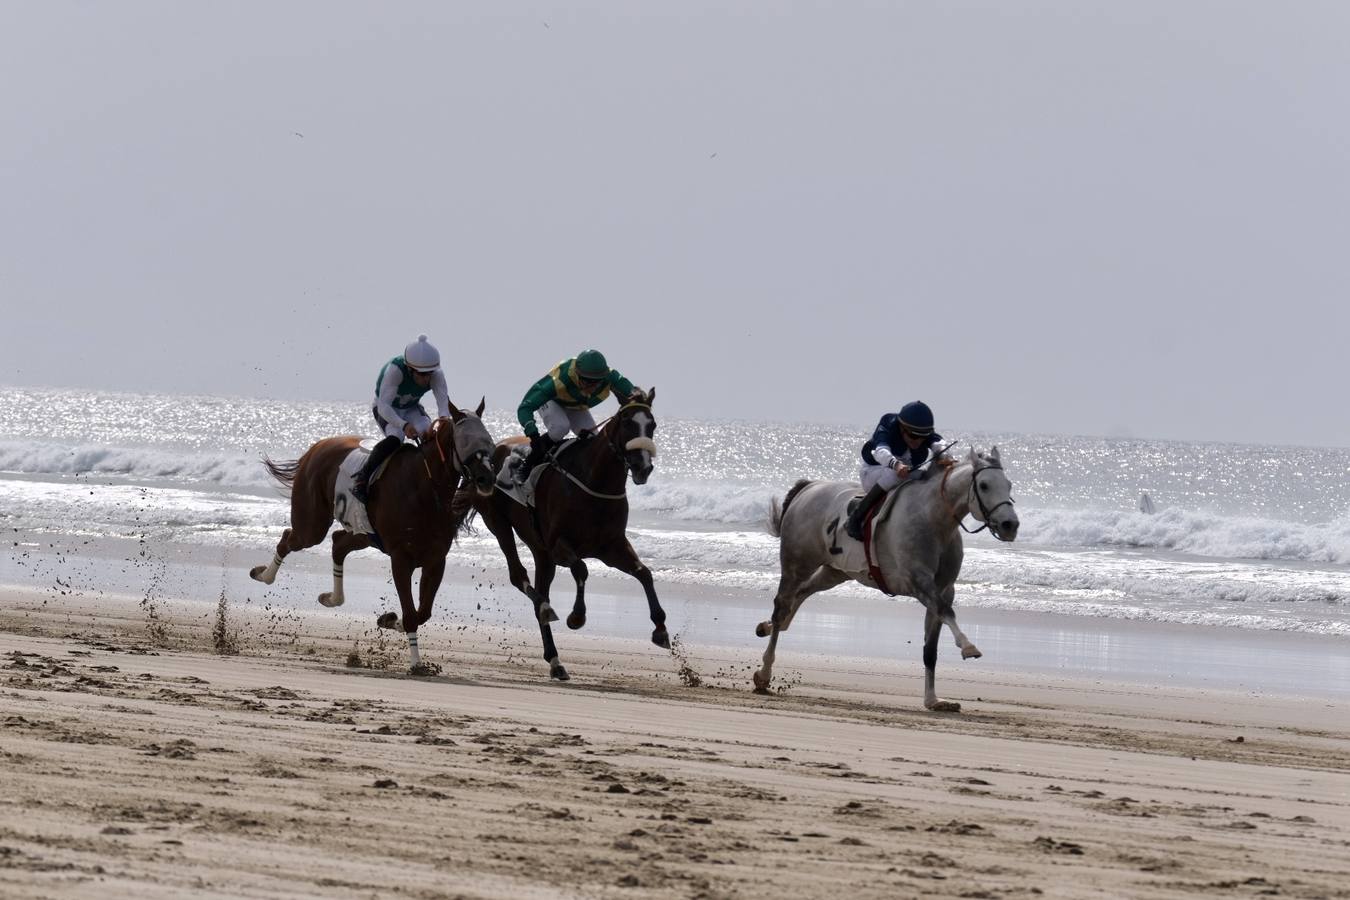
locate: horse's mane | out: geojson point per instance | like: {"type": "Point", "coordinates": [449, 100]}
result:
{"type": "Point", "coordinates": [462, 512]}
{"type": "Point", "coordinates": [777, 510]}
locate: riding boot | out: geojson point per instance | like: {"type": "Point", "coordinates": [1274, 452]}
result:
{"type": "Point", "coordinates": [539, 447]}
{"type": "Point", "coordinates": [383, 450]}
{"type": "Point", "coordinates": [859, 514]}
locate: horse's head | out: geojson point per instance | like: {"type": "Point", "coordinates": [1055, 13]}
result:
{"type": "Point", "coordinates": [473, 448]}
{"type": "Point", "coordinates": [631, 434]}
{"type": "Point", "coordinates": [991, 494]}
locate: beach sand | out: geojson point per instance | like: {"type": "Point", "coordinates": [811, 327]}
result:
{"type": "Point", "coordinates": [137, 760]}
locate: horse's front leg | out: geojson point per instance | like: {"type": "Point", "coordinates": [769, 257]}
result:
{"type": "Point", "coordinates": [577, 618]}
{"type": "Point", "coordinates": [626, 560]}
{"type": "Point", "coordinates": [948, 616]}
{"type": "Point", "coordinates": [432, 573]}
{"type": "Point", "coordinates": [932, 627]}
{"type": "Point", "coordinates": [402, 568]}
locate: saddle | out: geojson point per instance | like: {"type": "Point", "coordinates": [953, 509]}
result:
{"type": "Point", "coordinates": [348, 511]}
{"type": "Point", "coordinates": [506, 476]}
{"type": "Point", "coordinates": [875, 518]}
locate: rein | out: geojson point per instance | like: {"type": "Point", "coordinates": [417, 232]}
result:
{"type": "Point", "coordinates": [452, 464]}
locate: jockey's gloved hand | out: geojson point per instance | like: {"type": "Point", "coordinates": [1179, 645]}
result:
{"type": "Point", "coordinates": [585, 435]}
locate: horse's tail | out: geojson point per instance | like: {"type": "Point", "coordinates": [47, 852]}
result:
{"type": "Point", "coordinates": [283, 472]}
{"type": "Point", "coordinates": [777, 510]}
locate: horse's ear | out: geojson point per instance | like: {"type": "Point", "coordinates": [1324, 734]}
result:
{"type": "Point", "coordinates": [993, 453]}
{"type": "Point", "coordinates": [482, 405]}
{"type": "Point", "coordinates": [651, 395]}
{"type": "Point", "coordinates": [455, 412]}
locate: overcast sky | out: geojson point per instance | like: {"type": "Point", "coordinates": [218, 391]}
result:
{"type": "Point", "coordinates": [1101, 218]}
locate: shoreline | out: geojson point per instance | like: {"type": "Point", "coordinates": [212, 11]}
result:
{"type": "Point", "coordinates": [876, 631]}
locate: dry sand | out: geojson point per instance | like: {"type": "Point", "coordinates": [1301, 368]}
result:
{"type": "Point", "coordinates": [137, 761]}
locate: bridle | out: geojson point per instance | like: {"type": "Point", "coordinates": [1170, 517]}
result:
{"type": "Point", "coordinates": [456, 467]}
{"type": "Point", "coordinates": [611, 441]}
{"type": "Point", "coordinates": [985, 511]}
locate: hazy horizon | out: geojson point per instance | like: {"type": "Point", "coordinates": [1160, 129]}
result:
{"type": "Point", "coordinates": [1046, 218]}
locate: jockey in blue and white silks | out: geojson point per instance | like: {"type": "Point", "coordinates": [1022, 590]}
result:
{"type": "Point", "coordinates": [398, 403]}
{"type": "Point", "coordinates": [900, 444]}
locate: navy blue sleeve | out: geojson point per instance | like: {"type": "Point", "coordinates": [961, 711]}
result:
{"type": "Point", "coordinates": [883, 436]}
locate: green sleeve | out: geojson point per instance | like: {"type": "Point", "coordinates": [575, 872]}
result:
{"type": "Point", "coordinates": [620, 385]}
{"type": "Point", "coordinates": [535, 397]}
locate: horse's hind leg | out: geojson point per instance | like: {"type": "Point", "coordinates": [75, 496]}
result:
{"type": "Point", "coordinates": [789, 599]}
{"type": "Point", "coordinates": [499, 523]}
{"type": "Point", "coordinates": [544, 570]}
{"type": "Point", "coordinates": [626, 560]}
{"type": "Point", "coordinates": [344, 542]}
{"type": "Point", "coordinates": [308, 527]}
{"type": "Point", "coordinates": [268, 573]}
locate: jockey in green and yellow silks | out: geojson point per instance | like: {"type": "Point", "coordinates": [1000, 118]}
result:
{"type": "Point", "coordinates": [564, 397]}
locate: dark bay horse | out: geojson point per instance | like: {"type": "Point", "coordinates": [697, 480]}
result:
{"type": "Point", "coordinates": [410, 509]}
{"type": "Point", "coordinates": [580, 512]}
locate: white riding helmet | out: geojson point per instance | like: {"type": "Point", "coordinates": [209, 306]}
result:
{"type": "Point", "coordinates": [421, 355]}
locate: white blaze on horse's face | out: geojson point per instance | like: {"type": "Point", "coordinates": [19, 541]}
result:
{"type": "Point", "coordinates": [640, 451]}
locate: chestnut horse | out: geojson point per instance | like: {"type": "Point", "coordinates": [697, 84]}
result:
{"type": "Point", "coordinates": [580, 512]}
{"type": "Point", "coordinates": [409, 508]}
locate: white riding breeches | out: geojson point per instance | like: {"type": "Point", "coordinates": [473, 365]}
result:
{"type": "Point", "coordinates": [559, 419]}
{"type": "Point", "coordinates": [416, 417]}
{"type": "Point", "coordinates": [870, 476]}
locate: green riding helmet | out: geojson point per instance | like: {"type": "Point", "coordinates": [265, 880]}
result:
{"type": "Point", "coordinates": [591, 365]}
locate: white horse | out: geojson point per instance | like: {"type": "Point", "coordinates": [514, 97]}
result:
{"type": "Point", "coordinates": [916, 548]}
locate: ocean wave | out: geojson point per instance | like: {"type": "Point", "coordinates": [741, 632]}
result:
{"type": "Point", "coordinates": [235, 470]}
{"type": "Point", "coordinates": [1192, 533]}
{"type": "Point", "coordinates": [735, 504]}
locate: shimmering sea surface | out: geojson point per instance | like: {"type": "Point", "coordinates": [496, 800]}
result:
{"type": "Point", "coordinates": [1245, 536]}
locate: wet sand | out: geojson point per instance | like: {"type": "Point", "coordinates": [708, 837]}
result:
{"type": "Point", "coordinates": [136, 759]}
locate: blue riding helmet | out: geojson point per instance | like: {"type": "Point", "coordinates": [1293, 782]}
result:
{"type": "Point", "coordinates": [917, 418]}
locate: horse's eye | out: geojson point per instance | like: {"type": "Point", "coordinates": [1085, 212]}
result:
{"type": "Point", "coordinates": [984, 487]}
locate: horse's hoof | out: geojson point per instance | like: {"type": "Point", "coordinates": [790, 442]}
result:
{"type": "Point", "coordinates": [327, 599]}
{"type": "Point", "coordinates": [546, 614]}
{"type": "Point", "coordinates": [577, 620]}
{"type": "Point", "coordinates": [763, 629]}
{"type": "Point", "coordinates": [943, 706]}
{"type": "Point", "coordinates": [558, 673]}
{"type": "Point", "coordinates": [256, 573]}
{"type": "Point", "coordinates": [761, 683]}
{"type": "Point", "coordinates": [660, 637]}
{"type": "Point", "coordinates": [424, 669]}
{"type": "Point", "coordinates": [971, 652]}
{"type": "Point", "coordinates": [388, 620]}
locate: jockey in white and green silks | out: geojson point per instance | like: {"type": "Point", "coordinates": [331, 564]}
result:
{"type": "Point", "coordinates": [563, 398]}
{"type": "Point", "coordinates": [398, 403]}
